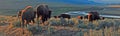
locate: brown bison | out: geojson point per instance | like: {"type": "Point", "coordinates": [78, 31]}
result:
{"type": "Point", "coordinates": [44, 12]}
{"type": "Point", "coordinates": [56, 16]}
{"type": "Point", "coordinates": [92, 16]}
{"type": "Point", "coordinates": [64, 16]}
{"type": "Point", "coordinates": [79, 17]}
{"type": "Point", "coordinates": [26, 15]}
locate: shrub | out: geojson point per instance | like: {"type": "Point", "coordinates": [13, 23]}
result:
{"type": "Point", "coordinates": [70, 22]}
{"type": "Point", "coordinates": [80, 33]}
{"type": "Point", "coordinates": [116, 24]}
{"type": "Point", "coordinates": [97, 28]}
{"type": "Point", "coordinates": [51, 30]}
{"type": "Point", "coordinates": [103, 24]}
{"type": "Point", "coordinates": [53, 23]}
{"type": "Point", "coordinates": [63, 22]}
{"type": "Point", "coordinates": [80, 21]}
{"type": "Point", "coordinates": [82, 25]}
{"type": "Point", "coordinates": [2, 19]}
{"type": "Point", "coordinates": [17, 24]}
{"type": "Point", "coordinates": [91, 25]}
{"type": "Point", "coordinates": [35, 29]}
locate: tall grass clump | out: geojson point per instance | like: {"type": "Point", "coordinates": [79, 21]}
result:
{"type": "Point", "coordinates": [61, 22]}
{"type": "Point", "coordinates": [54, 22]}
{"type": "Point", "coordinates": [17, 24]}
{"type": "Point", "coordinates": [70, 22]}
{"type": "Point", "coordinates": [82, 26]}
{"type": "Point", "coordinates": [80, 33]}
{"type": "Point", "coordinates": [107, 23]}
{"type": "Point", "coordinates": [91, 25]}
{"type": "Point", "coordinates": [35, 29]}
{"type": "Point", "coordinates": [51, 30]}
{"type": "Point", "coordinates": [2, 19]}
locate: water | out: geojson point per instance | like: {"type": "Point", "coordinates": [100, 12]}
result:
{"type": "Point", "coordinates": [110, 16]}
{"type": "Point", "coordinates": [83, 13]}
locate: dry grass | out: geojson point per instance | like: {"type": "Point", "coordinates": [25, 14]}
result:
{"type": "Point", "coordinates": [10, 30]}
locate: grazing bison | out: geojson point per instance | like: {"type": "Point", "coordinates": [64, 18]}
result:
{"type": "Point", "coordinates": [102, 18]}
{"type": "Point", "coordinates": [65, 16]}
{"type": "Point", "coordinates": [27, 15]}
{"type": "Point", "coordinates": [79, 17]}
{"type": "Point", "coordinates": [55, 16]}
{"type": "Point", "coordinates": [44, 12]}
{"type": "Point", "coordinates": [92, 16]}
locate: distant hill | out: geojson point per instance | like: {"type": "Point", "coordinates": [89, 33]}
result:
{"type": "Point", "coordinates": [13, 4]}
{"type": "Point", "coordinates": [77, 2]}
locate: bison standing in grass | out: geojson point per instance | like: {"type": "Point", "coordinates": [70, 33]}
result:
{"type": "Point", "coordinates": [65, 16]}
{"type": "Point", "coordinates": [26, 15]}
{"type": "Point", "coordinates": [44, 12]}
{"type": "Point", "coordinates": [79, 17]}
{"type": "Point", "coordinates": [92, 16]}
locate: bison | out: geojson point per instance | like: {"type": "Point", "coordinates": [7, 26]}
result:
{"type": "Point", "coordinates": [56, 16]}
{"type": "Point", "coordinates": [64, 16]}
{"type": "Point", "coordinates": [44, 12]}
{"type": "Point", "coordinates": [79, 17]}
{"type": "Point", "coordinates": [27, 15]}
{"type": "Point", "coordinates": [92, 16]}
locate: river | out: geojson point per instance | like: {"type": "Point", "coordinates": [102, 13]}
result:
{"type": "Point", "coordinates": [83, 13]}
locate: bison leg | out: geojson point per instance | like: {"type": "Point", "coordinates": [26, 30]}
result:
{"type": "Point", "coordinates": [38, 15]}
{"type": "Point", "coordinates": [23, 22]}
{"type": "Point", "coordinates": [22, 25]}
{"type": "Point", "coordinates": [43, 19]}
{"type": "Point", "coordinates": [32, 20]}
{"type": "Point", "coordinates": [46, 18]}
{"type": "Point", "coordinates": [27, 22]}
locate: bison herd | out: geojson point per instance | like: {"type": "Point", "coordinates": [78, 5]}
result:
{"type": "Point", "coordinates": [28, 14]}
{"type": "Point", "coordinates": [43, 13]}
{"type": "Point", "coordinates": [91, 16]}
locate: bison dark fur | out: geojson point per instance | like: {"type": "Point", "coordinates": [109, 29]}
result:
{"type": "Point", "coordinates": [44, 12]}
{"type": "Point", "coordinates": [27, 15]}
{"type": "Point", "coordinates": [94, 16]}
{"type": "Point", "coordinates": [65, 16]}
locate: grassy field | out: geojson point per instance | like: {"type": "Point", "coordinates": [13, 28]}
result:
{"type": "Point", "coordinates": [10, 26]}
